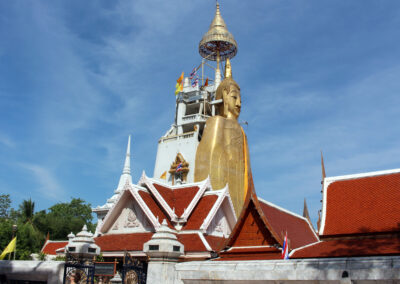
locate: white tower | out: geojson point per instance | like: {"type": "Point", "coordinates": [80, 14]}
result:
{"type": "Point", "coordinates": [125, 178]}
{"type": "Point", "coordinates": [193, 106]}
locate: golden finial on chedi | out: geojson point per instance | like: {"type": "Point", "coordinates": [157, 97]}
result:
{"type": "Point", "coordinates": [218, 43]}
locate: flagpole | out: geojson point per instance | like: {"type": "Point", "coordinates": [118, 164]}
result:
{"type": "Point", "coordinates": [14, 230]}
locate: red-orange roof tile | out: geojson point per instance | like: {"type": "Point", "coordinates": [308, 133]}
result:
{"type": "Point", "coordinates": [200, 212]}
{"type": "Point", "coordinates": [121, 242]}
{"type": "Point", "coordinates": [192, 242]}
{"type": "Point", "coordinates": [252, 230]}
{"type": "Point", "coordinates": [178, 198]}
{"type": "Point", "coordinates": [51, 246]}
{"type": "Point", "coordinates": [215, 242]}
{"type": "Point", "coordinates": [298, 229]}
{"type": "Point", "coordinates": [155, 208]}
{"type": "Point", "coordinates": [363, 205]}
{"type": "Point", "coordinates": [255, 253]}
{"type": "Point", "coordinates": [350, 248]}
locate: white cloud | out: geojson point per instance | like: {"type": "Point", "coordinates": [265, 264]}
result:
{"type": "Point", "coordinates": [48, 185]}
{"type": "Point", "coordinates": [6, 141]}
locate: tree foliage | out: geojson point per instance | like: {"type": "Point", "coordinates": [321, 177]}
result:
{"type": "Point", "coordinates": [59, 220]}
{"type": "Point", "coordinates": [5, 204]}
{"type": "Point", "coordinates": [27, 209]}
{"type": "Point", "coordinates": [64, 218]}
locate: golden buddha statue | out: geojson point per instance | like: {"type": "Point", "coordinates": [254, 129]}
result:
{"type": "Point", "coordinates": [223, 152]}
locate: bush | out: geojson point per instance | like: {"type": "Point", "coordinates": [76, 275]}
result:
{"type": "Point", "coordinates": [59, 258]}
{"type": "Point", "coordinates": [42, 256]}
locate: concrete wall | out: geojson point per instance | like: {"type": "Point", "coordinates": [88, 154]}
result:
{"type": "Point", "coordinates": [359, 270]}
{"type": "Point", "coordinates": [50, 271]}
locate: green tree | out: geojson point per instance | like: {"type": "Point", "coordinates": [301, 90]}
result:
{"type": "Point", "coordinates": [58, 221]}
{"type": "Point", "coordinates": [5, 204]}
{"type": "Point", "coordinates": [6, 221]}
{"type": "Point", "coordinates": [27, 210]}
{"type": "Point", "coordinates": [29, 240]}
{"type": "Point", "coordinates": [64, 218]}
{"type": "Point", "coordinates": [29, 237]}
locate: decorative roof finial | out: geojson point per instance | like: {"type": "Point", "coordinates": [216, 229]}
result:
{"type": "Point", "coordinates": [127, 165]}
{"type": "Point", "coordinates": [228, 69]}
{"type": "Point", "coordinates": [126, 172]}
{"type": "Point", "coordinates": [305, 212]}
{"type": "Point", "coordinates": [218, 43]}
{"type": "Point", "coordinates": [323, 168]}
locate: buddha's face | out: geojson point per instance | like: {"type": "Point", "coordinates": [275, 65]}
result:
{"type": "Point", "coordinates": [232, 102]}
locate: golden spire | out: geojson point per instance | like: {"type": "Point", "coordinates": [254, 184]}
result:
{"type": "Point", "coordinates": [218, 43]}
{"type": "Point", "coordinates": [323, 168]}
{"type": "Point", "coordinates": [228, 69]}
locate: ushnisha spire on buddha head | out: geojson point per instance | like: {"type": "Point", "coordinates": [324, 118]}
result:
{"type": "Point", "coordinates": [229, 92]}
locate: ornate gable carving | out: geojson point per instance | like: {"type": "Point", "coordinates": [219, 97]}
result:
{"type": "Point", "coordinates": [219, 225]}
{"type": "Point", "coordinates": [130, 219]}
{"type": "Point", "coordinates": [181, 171]}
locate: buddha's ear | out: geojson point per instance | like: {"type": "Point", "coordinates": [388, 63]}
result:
{"type": "Point", "coordinates": [224, 93]}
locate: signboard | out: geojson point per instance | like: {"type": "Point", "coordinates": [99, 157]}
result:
{"type": "Point", "coordinates": [104, 268]}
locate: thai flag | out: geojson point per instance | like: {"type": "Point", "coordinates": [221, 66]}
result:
{"type": "Point", "coordinates": [179, 168]}
{"type": "Point", "coordinates": [285, 248]}
{"type": "Point", "coordinates": [195, 82]}
{"type": "Point", "coordinates": [193, 74]}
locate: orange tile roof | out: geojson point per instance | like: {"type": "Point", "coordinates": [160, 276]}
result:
{"type": "Point", "coordinates": [363, 205]}
{"type": "Point", "coordinates": [51, 246]}
{"type": "Point", "coordinates": [200, 212]}
{"type": "Point", "coordinates": [192, 242]}
{"type": "Point", "coordinates": [135, 242]}
{"type": "Point", "coordinates": [215, 242]}
{"type": "Point", "coordinates": [178, 198]}
{"type": "Point", "coordinates": [155, 208]}
{"type": "Point", "coordinates": [121, 242]}
{"type": "Point", "coordinates": [298, 229]}
{"type": "Point", "coordinates": [253, 231]}
{"type": "Point", "coordinates": [250, 253]}
{"type": "Point", "coordinates": [350, 248]}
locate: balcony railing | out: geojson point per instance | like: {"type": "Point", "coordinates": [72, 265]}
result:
{"type": "Point", "coordinates": [178, 137]}
{"type": "Point", "coordinates": [194, 117]}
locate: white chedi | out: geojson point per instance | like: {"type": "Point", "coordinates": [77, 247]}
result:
{"type": "Point", "coordinates": [82, 245]}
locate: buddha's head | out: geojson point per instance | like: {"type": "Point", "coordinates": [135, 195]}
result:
{"type": "Point", "coordinates": [229, 92]}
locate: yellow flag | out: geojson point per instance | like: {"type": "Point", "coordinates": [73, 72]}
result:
{"type": "Point", "coordinates": [179, 81]}
{"type": "Point", "coordinates": [179, 85]}
{"type": "Point", "coordinates": [164, 175]}
{"type": "Point", "coordinates": [10, 248]}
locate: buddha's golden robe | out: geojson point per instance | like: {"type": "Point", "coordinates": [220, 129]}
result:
{"type": "Point", "coordinates": [224, 156]}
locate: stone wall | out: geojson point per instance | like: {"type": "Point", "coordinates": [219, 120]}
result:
{"type": "Point", "coordinates": [338, 270]}
{"type": "Point", "coordinates": [50, 271]}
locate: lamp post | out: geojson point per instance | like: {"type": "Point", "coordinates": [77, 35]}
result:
{"type": "Point", "coordinates": [14, 230]}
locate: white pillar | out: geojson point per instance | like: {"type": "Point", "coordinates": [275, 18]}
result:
{"type": "Point", "coordinates": [163, 250]}
{"type": "Point", "coordinates": [179, 116]}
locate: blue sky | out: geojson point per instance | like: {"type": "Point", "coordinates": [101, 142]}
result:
{"type": "Point", "coordinates": [76, 78]}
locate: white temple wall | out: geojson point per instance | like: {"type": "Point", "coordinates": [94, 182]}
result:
{"type": "Point", "coordinates": [359, 270]}
{"type": "Point", "coordinates": [50, 271]}
{"type": "Point", "coordinates": [168, 148]}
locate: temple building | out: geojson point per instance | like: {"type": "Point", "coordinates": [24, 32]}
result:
{"type": "Point", "coordinates": [360, 217]}
{"type": "Point", "coordinates": [202, 197]}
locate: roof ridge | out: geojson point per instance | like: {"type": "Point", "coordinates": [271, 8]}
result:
{"type": "Point", "coordinates": [299, 248]}
{"type": "Point", "coordinates": [281, 208]}
{"type": "Point", "coordinates": [172, 187]}
{"type": "Point", "coordinates": [362, 175]}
